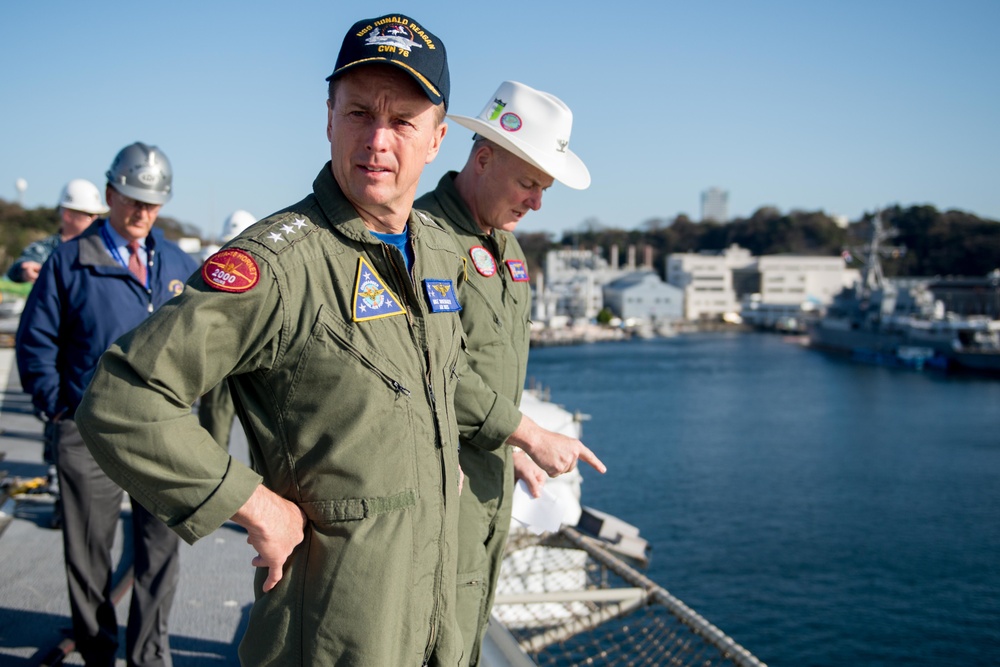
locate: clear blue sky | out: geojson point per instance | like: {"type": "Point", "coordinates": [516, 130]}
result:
{"type": "Point", "coordinates": [841, 106]}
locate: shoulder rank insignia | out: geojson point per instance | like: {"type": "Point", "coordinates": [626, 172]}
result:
{"type": "Point", "coordinates": [518, 271]}
{"type": "Point", "coordinates": [441, 294]}
{"type": "Point", "coordinates": [482, 260]}
{"type": "Point", "coordinates": [372, 299]}
{"type": "Point", "coordinates": [230, 270]}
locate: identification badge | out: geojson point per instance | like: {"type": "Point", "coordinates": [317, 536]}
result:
{"type": "Point", "coordinates": [518, 271]}
{"type": "Point", "coordinates": [441, 294]}
{"type": "Point", "coordinates": [230, 270]}
{"type": "Point", "coordinates": [372, 299]}
{"type": "Point", "coordinates": [483, 261]}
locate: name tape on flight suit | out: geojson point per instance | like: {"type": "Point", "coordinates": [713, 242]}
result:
{"type": "Point", "coordinates": [230, 270]}
{"type": "Point", "coordinates": [441, 294]}
{"type": "Point", "coordinates": [372, 299]}
{"type": "Point", "coordinates": [518, 271]}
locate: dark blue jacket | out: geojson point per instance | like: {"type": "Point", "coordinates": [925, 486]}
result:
{"type": "Point", "coordinates": [84, 301]}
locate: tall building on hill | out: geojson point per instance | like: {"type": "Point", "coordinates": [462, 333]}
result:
{"type": "Point", "coordinates": [715, 205]}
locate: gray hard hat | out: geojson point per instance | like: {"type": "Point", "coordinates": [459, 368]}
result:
{"type": "Point", "coordinates": [143, 173]}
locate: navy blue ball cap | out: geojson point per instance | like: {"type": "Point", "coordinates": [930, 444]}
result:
{"type": "Point", "coordinates": [398, 40]}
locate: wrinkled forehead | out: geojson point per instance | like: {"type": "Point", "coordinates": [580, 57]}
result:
{"type": "Point", "coordinates": [367, 81]}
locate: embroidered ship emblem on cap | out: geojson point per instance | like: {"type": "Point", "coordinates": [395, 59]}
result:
{"type": "Point", "coordinates": [441, 294]}
{"type": "Point", "coordinates": [372, 299]}
{"type": "Point", "coordinates": [230, 270]}
{"type": "Point", "coordinates": [483, 260]}
{"type": "Point", "coordinates": [518, 271]}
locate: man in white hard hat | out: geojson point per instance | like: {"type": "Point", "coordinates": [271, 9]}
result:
{"type": "Point", "coordinates": [520, 147]}
{"type": "Point", "coordinates": [79, 205]}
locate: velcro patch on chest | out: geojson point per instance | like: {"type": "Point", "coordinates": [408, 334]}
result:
{"type": "Point", "coordinates": [372, 299]}
{"type": "Point", "coordinates": [441, 295]}
{"type": "Point", "coordinates": [230, 270]}
{"type": "Point", "coordinates": [518, 270]}
{"type": "Point", "coordinates": [483, 260]}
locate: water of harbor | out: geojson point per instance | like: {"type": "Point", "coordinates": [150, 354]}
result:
{"type": "Point", "coordinates": [820, 512]}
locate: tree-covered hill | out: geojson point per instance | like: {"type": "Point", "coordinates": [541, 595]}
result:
{"type": "Point", "coordinates": [949, 243]}
{"type": "Point", "coordinates": [936, 243]}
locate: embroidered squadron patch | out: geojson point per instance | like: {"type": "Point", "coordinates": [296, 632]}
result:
{"type": "Point", "coordinates": [175, 287]}
{"type": "Point", "coordinates": [518, 271]}
{"type": "Point", "coordinates": [483, 260]}
{"type": "Point", "coordinates": [230, 270]}
{"type": "Point", "coordinates": [441, 294]}
{"type": "Point", "coordinates": [372, 299]}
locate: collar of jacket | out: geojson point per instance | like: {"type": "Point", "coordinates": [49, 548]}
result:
{"type": "Point", "coordinates": [342, 215]}
{"type": "Point", "coordinates": [456, 211]}
{"type": "Point", "coordinates": [93, 252]}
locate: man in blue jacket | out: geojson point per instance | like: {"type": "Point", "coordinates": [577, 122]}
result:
{"type": "Point", "coordinates": [92, 290]}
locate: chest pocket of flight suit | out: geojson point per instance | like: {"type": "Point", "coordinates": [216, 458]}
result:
{"type": "Point", "coordinates": [350, 416]}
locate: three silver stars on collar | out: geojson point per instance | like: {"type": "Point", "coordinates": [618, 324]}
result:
{"type": "Point", "coordinates": [296, 225]}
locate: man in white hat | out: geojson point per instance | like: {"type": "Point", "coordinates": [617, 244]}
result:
{"type": "Point", "coordinates": [79, 205]}
{"type": "Point", "coordinates": [521, 146]}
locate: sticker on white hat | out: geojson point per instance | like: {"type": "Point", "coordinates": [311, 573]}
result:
{"type": "Point", "coordinates": [510, 121]}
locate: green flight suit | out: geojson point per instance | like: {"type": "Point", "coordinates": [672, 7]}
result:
{"type": "Point", "coordinates": [496, 302]}
{"type": "Point", "coordinates": [216, 413]}
{"type": "Point", "coordinates": [344, 380]}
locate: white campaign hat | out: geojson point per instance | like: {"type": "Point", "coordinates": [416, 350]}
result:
{"type": "Point", "coordinates": [82, 195]}
{"type": "Point", "coordinates": [533, 125]}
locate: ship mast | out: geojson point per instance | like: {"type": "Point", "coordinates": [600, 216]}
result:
{"type": "Point", "coordinates": [872, 278]}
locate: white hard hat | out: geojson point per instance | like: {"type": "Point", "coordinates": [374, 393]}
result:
{"type": "Point", "coordinates": [82, 195]}
{"type": "Point", "coordinates": [236, 223]}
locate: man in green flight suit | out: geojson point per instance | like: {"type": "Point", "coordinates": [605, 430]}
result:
{"type": "Point", "coordinates": [521, 146]}
{"type": "Point", "coordinates": [336, 322]}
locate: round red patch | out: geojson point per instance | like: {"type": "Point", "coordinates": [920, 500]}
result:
{"type": "Point", "coordinates": [483, 260]}
{"type": "Point", "coordinates": [230, 270]}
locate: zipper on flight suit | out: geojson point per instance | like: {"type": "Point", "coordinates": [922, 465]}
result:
{"type": "Point", "coordinates": [404, 282]}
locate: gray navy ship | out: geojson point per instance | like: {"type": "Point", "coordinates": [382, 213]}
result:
{"type": "Point", "coordinates": [900, 323]}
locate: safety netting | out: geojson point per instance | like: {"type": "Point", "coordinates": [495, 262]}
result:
{"type": "Point", "coordinates": [567, 599]}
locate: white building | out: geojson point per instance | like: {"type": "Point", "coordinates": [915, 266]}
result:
{"type": "Point", "coordinates": [707, 280]}
{"type": "Point", "coordinates": [715, 205]}
{"type": "Point", "coordinates": [642, 295]}
{"type": "Point", "coordinates": [771, 286]}
{"type": "Point", "coordinates": [573, 280]}
{"type": "Point", "coordinates": [795, 279]}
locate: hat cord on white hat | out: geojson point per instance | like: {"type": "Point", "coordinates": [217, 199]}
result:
{"type": "Point", "coordinates": [533, 125]}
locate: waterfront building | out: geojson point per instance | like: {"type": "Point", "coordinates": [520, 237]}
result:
{"type": "Point", "coordinates": [706, 279]}
{"type": "Point", "coordinates": [642, 295]}
{"type": "Point", "coordinates": [795, 279]}
{"type": "Point", "coordinates": [764, 290]}
{"type": "Point", "coordinates": [573, 280]}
